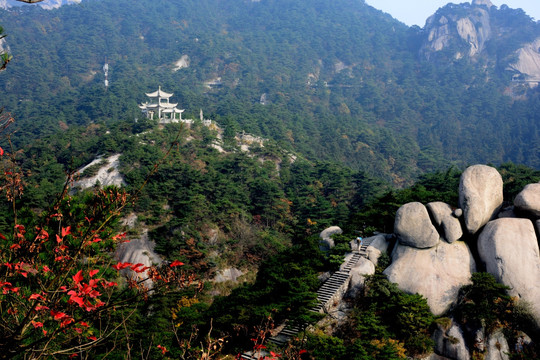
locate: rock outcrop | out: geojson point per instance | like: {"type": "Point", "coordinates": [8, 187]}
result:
{"type": "Point", "coordinates": [450, 342]}
{"type": "Point", "coordinates": [327, 242]}
{"type": "Point", "coordinates": [137, 251]}
{"type": "Point", "coordinates": [528, 60]}
{"type": "Point", "coordinates": [230, 274]}
{"type": "Point", "coordinates": [448, 225]}
{"type": "Point", "coordinates": [480, 195]}
{"type": "Point", "coordinates": [106, 175]}
{"type": "Point", "coordinates": [528, 200]}
{"type": "Point", "coordinates": [376, 248]}
{"type": "Point", "coordinates": [358, 276]}
{"type": "Point", "coordinates": [487, 3]}
{"type": "Point", "coordinates": [436, 273]}
{"type": "Point", "coordinates": [497, 347]}
{"type": "Point", "coordinates": [455, 29]}
{"type": "Point", "coordinates": [46, 4]}
{"type": "Point", "coordinates": [413, 226]}
{"type": "Point", "coordinates": [509, 248]}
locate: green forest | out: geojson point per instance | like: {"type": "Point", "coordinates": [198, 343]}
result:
{"type": "Point", "coordinates": [371, 104]}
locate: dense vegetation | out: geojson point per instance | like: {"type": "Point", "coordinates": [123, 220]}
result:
{"type": "Point", "coordinates": [264, 217]}
{"type": "Point", "coordinates": [342, 81]}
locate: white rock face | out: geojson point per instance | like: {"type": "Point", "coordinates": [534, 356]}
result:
{"type": "Point", "coordinates": [509, 248]}
{"type": "Point", "coordinates": [107, 175]}
{"type": "Point", "coordinates": [4, 47]}
{"type": "Point", "coordinates": [528, 60]}
{"type": "Point", "coordinates": [467, 32]}
{"type": "Point", "coordinates": [182, 63]}
{"type": "Point", "coordinates": [436, 273]}
{"type": "Point", "coordinates": [376, 248]}
{"type": "Point", "coordinates": [45, 4]}
{"type": "Point", "coordinates": [474, 28]}
{"type": "Point", "coordinates": [358, 276]}
{"type": "Point", "coordinates": [497, 347]}
{"type": "Point", "coordinates": [414, 228]}
{"type": "Point", "coordinates": [528, 200]}
{"type": "Point", "coordinates": [482, 2]}
{"type": "Point", "coordinates": [480, 195]}
{"type": "Point", "coordinates": [326, 241]}
{"type": "Point", "coordinates": [137, 251]}
{"type": "Point", "coordinates": [231, 274]}
{"type": "Point", "coordinates": [439, 37]}
{"type": "Point", "coordinates": [444, 219]}
{"type": "Point", "coordinates": [451, 343]}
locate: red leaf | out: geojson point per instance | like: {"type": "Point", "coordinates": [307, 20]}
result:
{"type": "Point", "coordinates": [78, 277]}
{"type": "Point", "coordinates": [93, 338]}
{"type": "Point", "coordinates": [121, 266]}
{"type": "Point", "coordinates": [46, 269]}
{"type": "Point", "coordinates": [43, 235]}
{"type": "Point", "coordinates": [93, 272]}
{"type": "Point", "coordinates": [107, 284]}
{"type": "Point", "coordinates": [137, 269]}
{"type": "Point", "coordinates": [1, 152]}
{"type": "Point", "coordinates": [66, 231]}
{"type": "Point", "coordinates": [58, 239]}
{"type": "Point", "coordinates": [41, 307]}
{"type": "Point", "coordinates": [76, 299]}
{"type": "Point", "coordinates": [163, 349]}
{"type": "Point", "coordinates": [15, 246]}
{"type": "Point", "coordinates": [176, 263]}
{"type": "Point", "coordinates": [2, 237]}
{"type": "Point", "coordinates": [57, 315]}
{"type": "Point", "coordinates": [66, 322]}
{"type": "Point", "coordinates": [35, 297]}
{"type": "Point", "coordinates": [37, 324]}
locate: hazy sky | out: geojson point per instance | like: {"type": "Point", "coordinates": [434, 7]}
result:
{"type": "Point", "coordinates": [415, 12]}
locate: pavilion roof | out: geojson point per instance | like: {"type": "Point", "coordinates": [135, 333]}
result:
{"type": "Point", "coordinates": [159, 93]}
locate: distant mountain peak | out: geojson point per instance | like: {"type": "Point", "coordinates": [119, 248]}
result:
{"type": "Point", "coordinates": [46, 4]}
{"type": "Point", "coordinates": [482, 2]}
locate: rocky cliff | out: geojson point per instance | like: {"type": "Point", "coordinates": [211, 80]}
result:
{"type": "Point", "coordinates": [501, 38]}
{"type": "Point", "coordinates": [463, 29]}
{"type": "Point", "coordinates": [432, 256]}
{"type": "Point", "coordinates": [45, 4]}
{"type": "Point", "coordinates": [431, 260]}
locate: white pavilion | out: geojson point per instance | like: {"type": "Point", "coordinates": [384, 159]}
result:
{"type": "Point", "coordinates": [166, 112]}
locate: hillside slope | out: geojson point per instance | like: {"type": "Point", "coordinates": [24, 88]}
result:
{"type": "Point", "coordinates": [338, 81]}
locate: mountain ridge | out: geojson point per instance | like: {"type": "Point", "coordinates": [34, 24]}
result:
{"type": "Point", "coordinates": [329, 90]}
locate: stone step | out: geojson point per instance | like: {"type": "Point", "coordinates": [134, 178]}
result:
{"type": "Point", "coordinates": [325, 292]}
{"type": "Point", "coordinates": [334, 281]}
{"type": "Point", "coordinates": [288, 333]}
{"type": "Point", "coordinates": [278, 342]}
{"type": "Point", "coordinates": [333, 284]}
{"type": "Point", "coordinates": [328, 290]}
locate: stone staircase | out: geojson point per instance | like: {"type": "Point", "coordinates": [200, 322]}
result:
{"type": "Point", "coordinates": [329, 291]}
